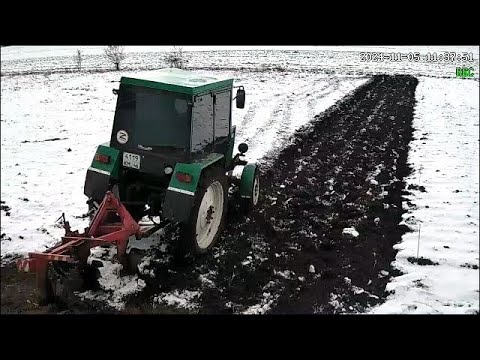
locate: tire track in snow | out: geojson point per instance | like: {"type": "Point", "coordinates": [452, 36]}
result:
{"type": "Point", "coordinates": [267, 136]}
{"type": "Point", "coordinates": [280, 124]}
{"type": "Point", "coordinates": [331, 86]}
{"type": "Point", "coordinates": [253, 110]}
{"type": "Point", "coordinates": [292, 102]}
{"type": "Point", "coordinates": [300, 110]}
{"type": "Point", "coordinates": [260, 97]}
{"type": "Point", "coordinates": [322, 93]}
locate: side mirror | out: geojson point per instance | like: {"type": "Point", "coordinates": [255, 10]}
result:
{"type": "Point", "coordinates": [115, 91]}
{"type": "Point", "coordinates": [240, 97]}
{"type": "Point", "coordinates": [243, 148]}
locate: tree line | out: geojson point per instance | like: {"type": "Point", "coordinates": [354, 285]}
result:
{"type": "Point", "coordinates": [116, 55]}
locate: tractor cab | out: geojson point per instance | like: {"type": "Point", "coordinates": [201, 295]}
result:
{"type": "Point", "coordinates": [174, 113]}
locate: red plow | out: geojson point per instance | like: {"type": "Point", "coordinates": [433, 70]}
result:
{"type": "Point", "coordinates": [111, 225]}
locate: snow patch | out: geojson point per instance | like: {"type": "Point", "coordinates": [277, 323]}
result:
{"type": "Point", "coordinates": [350, 232]}
{"type": "Point", "coordinates": [265, 305]}
{"type": "Point", "coordinates": [180, 299]}
{"type": "Point", "coordinates": [286, 274]}
{"type": "Point", "coordinates": [115, 289]}
{"type": "Point", "coordinates": [144, 266]}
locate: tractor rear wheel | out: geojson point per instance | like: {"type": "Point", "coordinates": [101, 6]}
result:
{"type": "Point", "coordinates": [136, 211]}
{"type": "Point", "coordinates": [92, 211]}
{"type": "Point", "coordinates": [208, 214]}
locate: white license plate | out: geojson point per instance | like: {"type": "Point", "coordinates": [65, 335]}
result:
{"type": "Point", "coordinates": [131, 160]}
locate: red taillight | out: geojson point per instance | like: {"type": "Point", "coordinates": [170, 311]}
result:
{"type": "Point", "coordinates": [183, 177]}
{"type": "Point", "coordinates": [102, 158]}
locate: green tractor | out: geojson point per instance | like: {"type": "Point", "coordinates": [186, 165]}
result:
{"type": "Point", "coordinates": [171, 154]}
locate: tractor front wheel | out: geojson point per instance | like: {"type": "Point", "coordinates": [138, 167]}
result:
{"type": "Point", "coordinates": [248, 203]}
{"type": "Point", "coordinates": [207, 218]}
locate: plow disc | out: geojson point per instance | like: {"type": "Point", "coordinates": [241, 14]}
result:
{"type": "Point", "coordinates": [65, 265]}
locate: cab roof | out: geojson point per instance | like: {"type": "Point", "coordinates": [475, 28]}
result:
{"type": "Point", "coordinates": [179, 81]}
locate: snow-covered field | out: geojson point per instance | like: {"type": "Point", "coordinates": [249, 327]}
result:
{"type": "Point", "coordinates": [444, 217]}
{"type": "Point", "coordinates": [52, 120]}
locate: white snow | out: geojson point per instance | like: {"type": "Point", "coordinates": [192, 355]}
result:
{"type": "Point", "coordinates": [445, 218]}
{"type": "Point", "coordinates": [114, 288]}
{"type": "Point", "coordinates": [283, 103]}
{"type": "Point", "coordinates": [373, 174]}
{"type": "Point", "coordinates": [351, 232]}
{"type": "Point", "coordinates": [336, 302]}
{"type": "Point", "coordinates": [286, 274]}
{"type": "Point", "coordinates": [266, 303]}
{"type": "Point", "coordinates": [206, 279]}
{"type": "Point", "coordinates": [144, 266]}
{"type": "Point", "coordinates": [180, 299]}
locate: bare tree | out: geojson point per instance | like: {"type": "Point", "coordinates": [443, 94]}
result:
{"type": "Point", "coordinates": [176, 58]}
{"type": "Point", "coordinates": [78, 59]}
{"type": "Point", "coordinates": [115, 54]}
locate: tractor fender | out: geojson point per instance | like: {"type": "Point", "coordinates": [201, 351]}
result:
{"type": "Point", "coordinates": [99, 173]}
{"type": "Point", "coordinates": [180, 195]}
{"type": "Point", "coordinates": [246, 181]}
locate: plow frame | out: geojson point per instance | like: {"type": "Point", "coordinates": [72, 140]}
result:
{"type": "Point", "coordinates": [74, 247]}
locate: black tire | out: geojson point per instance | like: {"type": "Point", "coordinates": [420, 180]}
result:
{"type": "Point", "coordinates": [248, 204]}
{"type": "Point", "coordinates": [137, 212]}
{"type": "Point", "coordinates": [92, 210]}
{"type": "Point", "coordinates": [188, 238]}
